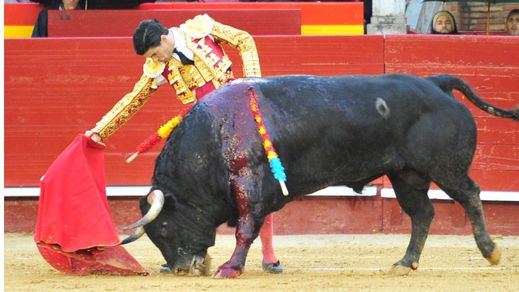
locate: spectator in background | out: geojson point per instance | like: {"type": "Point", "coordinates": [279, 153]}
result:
{"type": "Point", "coordinates": [443, 23]}
{"type": "Point", "coordinates": [512, 22]}
{"type": "Point", "coordinates": [40, 28]}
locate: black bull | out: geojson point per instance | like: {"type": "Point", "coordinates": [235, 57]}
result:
{"type": "Point", "coordinates": [327, 131]}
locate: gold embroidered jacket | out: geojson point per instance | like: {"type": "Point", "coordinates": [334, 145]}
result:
{"type": "Point", "coordinates": [211, 64]}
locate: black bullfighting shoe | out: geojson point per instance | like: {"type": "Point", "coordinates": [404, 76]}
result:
{"type": "Point", "coordinates": [274, 268]}
{"type": "Point", "coordinates": [164, 268]}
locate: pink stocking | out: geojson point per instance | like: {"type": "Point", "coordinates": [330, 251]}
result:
{"type": "Point", "coordinates": [266, 234]}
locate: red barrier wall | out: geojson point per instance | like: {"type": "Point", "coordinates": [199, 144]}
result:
{"type": "Point", "coordinates": [21, 13]}
{"type": "Point", "coordinates": [491, 66]}
{"type": "Point", "coordinates": [56, 88]}
{"type": "Point", "coordinates": [69, 73]}
{"type": "Point", "coordinates": [20, 19]}
{"type": "Point", "coordinates": [332, 18]}
{"type": "Point", "coordinates": [102, 23]}
{"type": "Point", "coordinates": [314, 215]}
{"type": "Point", "coordinates": [69, 84]}
{"type": "Point", "coordinates": [313, 13]}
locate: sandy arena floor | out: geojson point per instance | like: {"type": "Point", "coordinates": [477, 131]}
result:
{"type": "Point", "coordinates": [311, 263]}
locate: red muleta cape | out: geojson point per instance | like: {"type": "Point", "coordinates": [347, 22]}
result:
{"type": "Point", "coordinates": [74, 231]}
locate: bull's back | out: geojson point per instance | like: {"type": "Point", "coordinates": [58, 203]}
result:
{"type": "Point", "coordinates": [348, 128]}
{"type": "Point", "coordinates": [406, 97]}
{"type": "Point", "coordinates": [365, 106]}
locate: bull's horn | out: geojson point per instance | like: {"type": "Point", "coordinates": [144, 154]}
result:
{"type": "Point", "coordinates": [137, 233]}
{"type": "Point", "coordinates": [156, 199]}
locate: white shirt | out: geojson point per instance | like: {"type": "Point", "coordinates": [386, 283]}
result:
{"type": "Point", "coordinates": [180, 44]}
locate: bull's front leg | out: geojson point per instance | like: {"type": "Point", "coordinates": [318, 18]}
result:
{"type": "Point", "coordinates": [246, 230]}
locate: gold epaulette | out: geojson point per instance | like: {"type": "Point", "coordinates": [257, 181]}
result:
{"type": "Point", "coordinates": [198, 27]}
{"type": "Point", "coordinates": [125, 108]}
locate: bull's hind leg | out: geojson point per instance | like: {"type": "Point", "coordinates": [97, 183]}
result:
{"type": "Point", "coordinates": [247, 228]}
{"type": "Point", "coordinates": [466, 192]}
{"type": "Point", "coordinates": [411, 193]}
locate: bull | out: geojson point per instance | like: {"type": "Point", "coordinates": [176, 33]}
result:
{"type": "Point", "coordinates": [345, 130]}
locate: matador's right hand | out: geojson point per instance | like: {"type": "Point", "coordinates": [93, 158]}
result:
{"type": "Point", "coordinates": [95, 137]}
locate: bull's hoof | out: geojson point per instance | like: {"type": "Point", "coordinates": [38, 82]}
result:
{"type": "Point", "coordinates": [227, 273]}
{"type": "Point", "coordinates": [495, 257]}
{"type": "Point", "coordinates": [400, 270]}
{"type": "Point", "coordinates": [274, 268]}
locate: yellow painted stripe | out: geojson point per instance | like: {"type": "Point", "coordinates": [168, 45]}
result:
{"type": "Point", "coordinates": [18, 31]}
{"type": "Point", "coordinates": [25, 31]}
{"type": "Point", "coordinates": [332, 29]}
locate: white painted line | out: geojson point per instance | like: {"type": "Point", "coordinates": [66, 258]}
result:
{"type": "Point", "coordinates": [131, 191]}
{"type": "Point", "coordinates": [511, 196]}
{"type": "Point", "coordinates": [138, 191]}
{"type": "Point", "coordinates": [119, 191]}
{"type": "Point", "coordinates": [21, 192]}
{"type": "Point", "coordinates": [334, 191]}
{"type": "Point", "coordinates": [341, 191]}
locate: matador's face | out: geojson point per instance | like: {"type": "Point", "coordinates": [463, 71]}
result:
{"type": "Point", "coordinates": [164, 51]}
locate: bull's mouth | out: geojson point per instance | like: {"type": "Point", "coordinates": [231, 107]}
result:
{"type": "Point", "coordinates": [198, 266]}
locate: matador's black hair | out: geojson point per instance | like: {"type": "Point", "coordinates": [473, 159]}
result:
{"type": "Point", "coordinates": [147, 35]}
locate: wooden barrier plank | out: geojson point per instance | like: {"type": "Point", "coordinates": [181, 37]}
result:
{"type": "Point", "coordinates": [332, 29]}
{"type": "Point", "coordinates": [311, 12]}
{"type": "Point", "coordinates": [316, 18]}
{"type": "Point", "coordinates": [57, 88]}
{"type": "Point", "coordinates": [122, 23]}
{"type": "Point", "coordinates": [312, 215]}
{"type": "Point", "coordinates": [20, 19]}
{"type": "Point", "coordinates": [68, 84]}
{"type": "Point", "coordinates": [318, 55]}
{"type": "Point", "coordinates": [330, 215]}
{"type": "Point", "coordinates": [451, 219]}
{"type": "Point", "coordinates": [21, 13]}
{"type": "Point", "coordinates": [69, 62]}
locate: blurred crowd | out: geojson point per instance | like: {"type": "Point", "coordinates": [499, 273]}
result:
{"type": "Point", "coordinates": [462, 17]}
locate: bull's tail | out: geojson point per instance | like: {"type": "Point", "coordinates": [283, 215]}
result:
{"type": "Point", "coordinates": [448, 82]}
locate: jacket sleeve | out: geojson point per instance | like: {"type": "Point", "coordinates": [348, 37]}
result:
{"type": "Point", "coordinates": [243, 42]}
{"type": "Point", "coordinates": [125, 108]}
